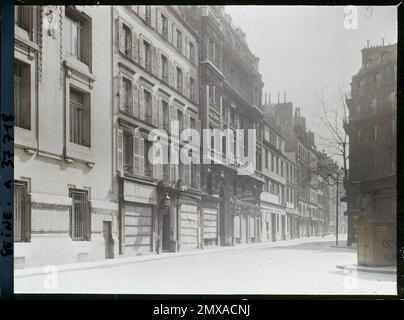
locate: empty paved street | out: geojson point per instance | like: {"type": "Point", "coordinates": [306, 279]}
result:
{"type": "Point", "coordinates": [293, 267]}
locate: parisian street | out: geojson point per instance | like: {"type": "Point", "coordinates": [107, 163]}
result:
{"type": "Point", "coordinates": [303, 266]}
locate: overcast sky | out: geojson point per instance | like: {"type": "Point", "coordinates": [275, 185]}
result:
{"type": "Point", "coordinates": [302, 48]}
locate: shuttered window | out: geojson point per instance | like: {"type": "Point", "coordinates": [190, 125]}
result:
{"type": "Point", "coordinates": [80, 215]}
{"type": "Point", "coordinates": [127, 152]}
{"type": "Point", "coordinates": [22, 212]}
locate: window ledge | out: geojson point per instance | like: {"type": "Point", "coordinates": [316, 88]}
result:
{"type": "Point", "coordinates": [79, 70]}
{"type": "Point", "coordinates": [22, 36]}
{"type": "Point", "coordinates": [24, 138]}
{"type": "Point", "coordinates": [80, 153]}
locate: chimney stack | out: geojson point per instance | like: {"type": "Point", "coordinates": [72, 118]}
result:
{"type": "Point", "coordinates": [269, 97]}
{"type": "Point", "coordinates": [278, 96]}
{"type": "Point", "coordinates": [265, 98]}
{"type": "Point", "coordinates": [284, 96]}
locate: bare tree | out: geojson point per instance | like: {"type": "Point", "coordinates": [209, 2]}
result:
{"type": "Point", "coordinates": [333, 114]}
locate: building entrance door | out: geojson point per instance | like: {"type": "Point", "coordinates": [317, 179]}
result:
{"type": "Point", "coordinates": [166, 231]}
{"type": "Point", "coordinates": [283, 228]}
{"type": "Point", "coordinates": [109, 242]}
{"type": "Point", "coordinates": [273, 225]}
{"type": "Point", "coordinates": [222, 220]}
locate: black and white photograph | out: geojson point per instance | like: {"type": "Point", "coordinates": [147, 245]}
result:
{"type": "Point", "coordinates": [205, 149]}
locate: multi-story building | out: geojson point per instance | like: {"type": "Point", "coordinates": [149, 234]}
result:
{"type": "Point", "coordinates": [65, 210]}
{"type": "Point", "coordinates": [292, 196]}
{"type": "Point", "coordinates": [275, 196]}
{"type": "Point", "coordinates": [230, 98]}
{"type": "Point", "coordinates": [156, 85]}
{"type": "Point", "coordinates": [371, 128]}
{"type": "Point", "coordinates": [310, 218]}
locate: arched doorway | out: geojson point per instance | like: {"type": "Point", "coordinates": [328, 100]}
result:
{"type": "Point", "coordinates": [222, 220]}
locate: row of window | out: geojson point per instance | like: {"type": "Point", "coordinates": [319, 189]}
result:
{"type": "Point", "coordinates": [135, 150]}
{"type": "Point", "coordinates": [79, 214]}
{"type": "Point", "coordinates": [304, 154]}
{"type": "Point", "coordinates": [277, 165]}
{"type": "Point", "coordinates": [141, 103]}
{"type": "Point", "coordinates": [168, 30]}
{"type": "Point", "coordinates": [376, 106]}
{"type": "Point", "coordinates": [214, 53]}
{"type": "Point", "coordinates": [273, 187]}
{"type": "Point", "coordinates": [156, 62]}
{"type": "Point", "coordinates": [291, 195]}
{"type": "Point", "coordinates": [79, 106]}
{"type": "Point", "coordinates": [374, 81]}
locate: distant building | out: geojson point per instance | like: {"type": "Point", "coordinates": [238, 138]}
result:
{"type": "Point", "coordinates": [372, 130]}
{"type": "Point", "coordinates": [276, 196]}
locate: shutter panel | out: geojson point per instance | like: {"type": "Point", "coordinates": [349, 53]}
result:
{"type": "Point", "coordinates": [174, 29]}
{"type": "Point", "coordinates": [138, 154]}
{"type": "Point", "coordinates": [198, 176]}
{"type": "Point", "coordinates": [121, 94]}
{"type": "Point", "coordinates": [135, 100]}
{"type": "Point", "coordinates": [171, 74]}
{"type": "Point", "coordinates": [173, 176]}
{"type": "Point", "coordinates": [187, 121]}
{"type": "Point", "coordinates": [173, 115]}
{"type": "Point", "coordinates": [187, 90]}
{"type": "Point", "coordinates": [121, 40]}
{"type": "Point", "coordinates": [136, 159]}
{"type": "Point", "coordinates": [169, 32]}
{"type": "Point", "coordinates": [186, 53]}
{"type": "Point", "coordinates": [141, 104]}
{"type": "Point", "coordinates": [198, 128]}
{"type": "Point", "coordinates": [27, 216]}
{"type": "Point", "coordinates": [186, 174]}
{"type": "Point", "coordinates": [153, 16]}
{"type": "Point", "coordinates": [154, 110]}
{"type": "Point", "coordinates": [141, 51]}
{"type": "Point", "coordinates": [207, 95]}
{"type": "Point", "coordinates": [158, 22]}
{"type": "Point", "coordinates": [141, 155]}
{"type": "Point", "coordinates": [221, 108]}
{"type": "Point", "coordinates": [135, 46]}
{"type": "Point", "coordinates": [154, 61]}
{"type": "Point", "coordinates": [240, 154]}
{"type": "Point", "coordinates": [175, 76]}
{"type": "Point", "coordinates": [159, 65]}
{"type": "Point", "coordinates": [119, 155]}
{"type": "Point", "coordinates": [159, 113]}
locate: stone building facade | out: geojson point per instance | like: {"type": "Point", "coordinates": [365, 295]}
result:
{"type": "Point", "coordinates": [65, 210]}
{"type": "Point", "coordinates": [372, 131]}
{"type": "Point", "coordinates": [275, 198]}
{"type": "Point", "coordinates": [230, 98]}
{"type": "Point", "coordinates": [155, 70]}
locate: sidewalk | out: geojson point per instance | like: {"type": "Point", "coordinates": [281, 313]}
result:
{"type": "Point", "coordinates": [355, 267]}
{"type": "Point", "coordinates": [122, 260]}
